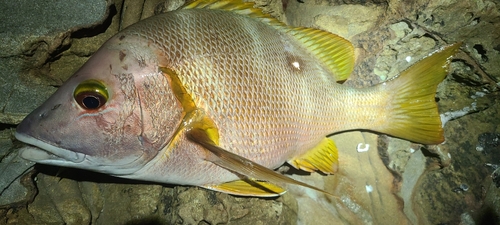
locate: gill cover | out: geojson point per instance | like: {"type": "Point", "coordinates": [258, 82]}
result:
{"type": "Point", "coordinates": [96, 119]}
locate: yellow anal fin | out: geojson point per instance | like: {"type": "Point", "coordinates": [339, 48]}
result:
{"type": "Point", "coordinates": [323, 157]}
{"type": "Point", "coordinates": [248, 188]}
{"type": "Point", "coordinates": [413, 112]}
{"type": "Point", "coordinates": [335, 52]}
{"type": "Point", "coordinates": [240, 165]}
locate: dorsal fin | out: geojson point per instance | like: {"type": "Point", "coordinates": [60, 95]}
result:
{"type": "Point", "coordinates": [335, 52]}
{"type": "Point", "coordinates": [235, 6]}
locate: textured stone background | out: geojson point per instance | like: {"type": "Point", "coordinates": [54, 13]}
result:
{"type": "Point", "coordinates": [44, 42]}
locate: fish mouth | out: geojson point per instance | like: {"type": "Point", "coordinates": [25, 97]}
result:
{"type": "Point", "coordinates": [43, 152]}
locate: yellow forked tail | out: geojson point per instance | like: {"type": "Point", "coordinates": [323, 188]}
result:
{"type": "Point", "coordinates": [413, 113]}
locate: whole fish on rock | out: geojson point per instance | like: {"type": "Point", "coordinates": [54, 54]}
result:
{"type": "Point", "coordinates": [217, 95]}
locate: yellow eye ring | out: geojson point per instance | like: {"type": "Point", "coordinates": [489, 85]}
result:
{"type": "Point", "coordinates": [91, 94]}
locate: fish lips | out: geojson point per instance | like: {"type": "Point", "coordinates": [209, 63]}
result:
{"type": "Point", "coordinates": [42, 152]}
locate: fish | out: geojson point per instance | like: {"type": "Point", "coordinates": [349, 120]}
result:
{"type": "Point", "coordinates": [218, 94]}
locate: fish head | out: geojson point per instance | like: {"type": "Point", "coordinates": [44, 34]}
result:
{"type": "Point", "coordinates": [96, 120]}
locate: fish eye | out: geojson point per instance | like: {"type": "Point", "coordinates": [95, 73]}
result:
{"type": "Point", "coordinates": [91, 94]}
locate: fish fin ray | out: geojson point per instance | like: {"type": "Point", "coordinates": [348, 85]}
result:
{"type": "Point", "coordinates": [413, 112]}
{"type": "Point", "coordinates": [335, 52]}
{"type": "Point", "coordinates": [248, 188]}
{"type": "Point", "coordinates": [202, 130]}
{"type": "Point", "coordinates": [179, 90]}
{"type": "Point", "coordinates": [235, 6]}
{"type": "Point", "coordinates": [241, 165]}
{"type": "Point", "coordinates": [323, 157]}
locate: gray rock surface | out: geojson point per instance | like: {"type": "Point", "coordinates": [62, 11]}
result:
{"type": "Point", "coordinates": [81, 197]}
{"type": "Point", "coordinates": [12, 173]}
{"type": "Point", "coordinates": [32, 34]}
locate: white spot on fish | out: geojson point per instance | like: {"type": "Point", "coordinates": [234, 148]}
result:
{"type": "Point", "coordinates": [412, 150]}
{"type": "Point", "coordinates": [449, 155]}
{"type": "Point", "coordinates": [296, 65]}
{"type": "Point", "coordinates": [364, 149]}
{"type": "Point", "coordinates": [369, 188]}
{"type": "Point", "coordinates": [408, 58]}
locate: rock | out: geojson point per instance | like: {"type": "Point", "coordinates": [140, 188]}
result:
{"type": "Point", "coordinates": [34, 33]}
{"type": "Point", "coordinates": [365, 190]}
{"type": "Point", "coordinates": [91, 198]}
{"type": "Point", "coordinates": [199, 206]}
{"type": "Point", "coordinates": [16, 186]}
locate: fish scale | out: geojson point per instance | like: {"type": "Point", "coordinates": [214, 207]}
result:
{"type": "Point", "coordinates": [272, 80]}
{"type": "Point", "coordinates": [261, 83]}
{"type": "Point", "coordinates": [217, 95]}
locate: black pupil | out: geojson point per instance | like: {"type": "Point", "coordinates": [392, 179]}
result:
{"type": "Point", "coordinates": [91, 102]}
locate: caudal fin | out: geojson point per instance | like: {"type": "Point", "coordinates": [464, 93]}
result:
{"type": "Point", "coordinates": [413, 111]}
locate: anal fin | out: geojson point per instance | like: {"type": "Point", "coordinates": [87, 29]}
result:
{"type": "Point", "coordinates": [248, 188]}
{"type": "Point", "coordinates": [323, 157]}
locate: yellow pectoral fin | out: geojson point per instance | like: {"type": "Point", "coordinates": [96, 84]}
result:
{"type": "Point", "coordinates": [248, 188]}
{"type": "Point", "coordinates": [201, 129]}
{"type": "Point", "coordinates": [323, 157]}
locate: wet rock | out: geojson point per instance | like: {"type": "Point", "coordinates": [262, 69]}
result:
{"type": "Point", "coordinates": [489, 213]}
{"type": "Point", "coordinates": [167, 6]}
{"type": "Point", "coordinates": [15, 188]}
{"type": "Point", "coordinates": [488, 142]}
{"type": "Point", "coordinates": [91, 198]}
{"type": "Point", "coordinates": [32, 34]}
{"type": "Point", "coordinates": [495, 177]}
{"type": "Point", "coordinates": [198, 206]}
{"type": "Point", "coordinates": [59, 201]}
{"type": "Point", "coordinates": [414, 168]}
{"type": "Point", "coordinates": [436, 186]}
{"type": "Point", "coordinates": [361, 187]}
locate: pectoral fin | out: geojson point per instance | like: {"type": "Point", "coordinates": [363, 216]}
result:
{"type": "Point", "coordinates": [202, 130]}
{"type": "Point", "coordinates": [240, 165]}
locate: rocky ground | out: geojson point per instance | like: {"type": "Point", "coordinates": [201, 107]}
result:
{"type": "Point", "coordinates": [393, 182]}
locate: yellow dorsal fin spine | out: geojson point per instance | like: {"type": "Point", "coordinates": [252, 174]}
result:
{"type": "Point", "coordinates": [335, 52]}
{"type": "Point", "coordinates": [235, 6]}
